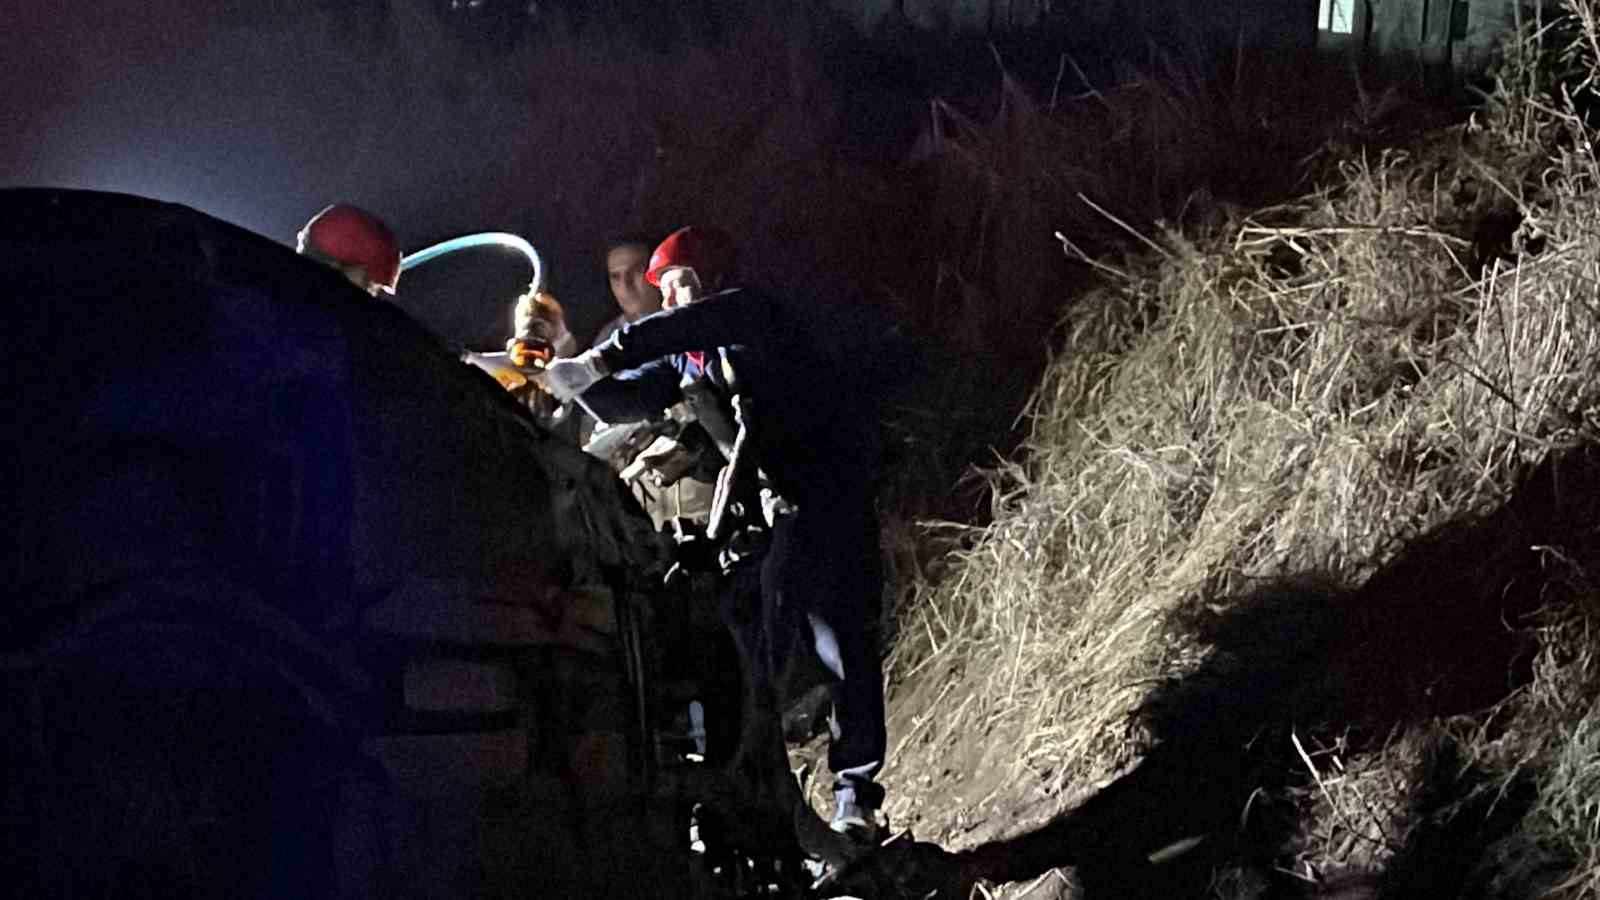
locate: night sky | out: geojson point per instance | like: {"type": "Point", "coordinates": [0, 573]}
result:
{"type": "Point", "coordinates": [262, 117]}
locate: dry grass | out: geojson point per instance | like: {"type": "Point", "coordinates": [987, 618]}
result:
{"type": "Point", "coordinates": [1554, 741]}
{"type": "Point", "coordinates": [1003, 183]}
{"type": "Point", "coordinates": [1307, 389]}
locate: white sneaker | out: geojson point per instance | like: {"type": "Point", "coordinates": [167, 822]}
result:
{"type": "Point", "coordinates": [853, 820]}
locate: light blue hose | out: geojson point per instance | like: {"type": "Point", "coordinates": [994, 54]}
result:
{"type": "Point", "coordinates": [481, 239]}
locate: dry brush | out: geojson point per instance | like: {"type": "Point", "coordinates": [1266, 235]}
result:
{"type": "Point", "coordinates": [1304, 392]}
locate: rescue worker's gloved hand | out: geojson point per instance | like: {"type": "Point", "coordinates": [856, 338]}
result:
{"type": "Point", "coordinates": [529, 353]}
{"type": "Point", "coordinates": [774, 506]}
{"type": "Point", "coordinates": [567, 378]}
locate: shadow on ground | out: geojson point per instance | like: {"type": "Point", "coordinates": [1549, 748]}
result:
{"type": "Point", "coordinates": [1433, 634]}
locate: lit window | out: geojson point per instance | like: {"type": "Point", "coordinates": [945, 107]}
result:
{"type": "Point", "coordinates": [1337, 16]}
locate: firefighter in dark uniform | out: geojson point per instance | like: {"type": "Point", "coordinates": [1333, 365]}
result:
{"type": "Point", "coordinates": [811, 432]}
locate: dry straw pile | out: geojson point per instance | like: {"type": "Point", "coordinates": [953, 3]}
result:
{"type": "Point", "coordinates": [1305, 391]}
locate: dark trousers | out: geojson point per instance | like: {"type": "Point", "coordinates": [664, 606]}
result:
{"type": "Point", "coordinates": [824, 564]}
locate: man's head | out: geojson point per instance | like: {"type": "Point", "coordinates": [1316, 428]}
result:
{"type": "Point", "coordinates": [355, 242]}
{"type": "Point", "coordinates": [626, 261]}
{"type": "Point", "coordinates": [690, 263]}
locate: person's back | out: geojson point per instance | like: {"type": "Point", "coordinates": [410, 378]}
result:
{"type": "Point", "coordinates": [807, 422]}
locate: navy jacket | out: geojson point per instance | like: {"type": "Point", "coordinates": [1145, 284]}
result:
{"type": "Point", "coordinates": [812, 424]}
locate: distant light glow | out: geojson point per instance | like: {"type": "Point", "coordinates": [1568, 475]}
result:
{"type": "Point", "coordinates": [481, 239]}
{"type": "Point", "coordinates": [1337, 16]}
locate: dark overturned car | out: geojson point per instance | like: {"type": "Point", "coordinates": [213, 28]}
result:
{"type": "Point", "coordinates": [302, 606]}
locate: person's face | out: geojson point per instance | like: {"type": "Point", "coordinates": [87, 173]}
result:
{"type": "Point", "coordinates": [625, 268]}
{"type": "Point", "coordinates": [679, 287]}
